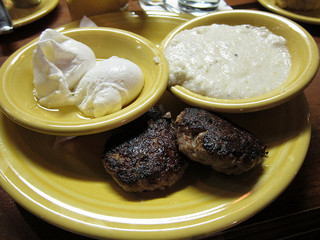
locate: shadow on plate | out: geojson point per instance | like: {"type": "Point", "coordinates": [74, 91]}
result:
{"type": "Point", "coordinates": [202, 179]}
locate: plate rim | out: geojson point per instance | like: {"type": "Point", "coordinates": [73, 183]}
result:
{"type": "Point", "coordinates": [50, 5]}
{"type": "Point", "coordinates": [301, 18]}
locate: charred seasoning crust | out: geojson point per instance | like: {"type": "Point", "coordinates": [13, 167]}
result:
{"type": "Point", "coordinates": [221, 136]}
{"type": "Point", "coordinates": [217, 140]}
{"type": "Point", "coordinates": [145, 152]}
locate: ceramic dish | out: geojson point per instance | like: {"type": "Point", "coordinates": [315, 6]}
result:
{"type": "Point", "coordinates": [19, 103]}
{"type": "Point", "coordinates": [23, 16]}
{"type": "Point", "coordinates": [312, 16]}
{"type": "Point", "coordinates": [138, 22]}
{"type": "Point", "coordinates": [66, 185]}
{"type": "Point", "coordinates": [301, 46]}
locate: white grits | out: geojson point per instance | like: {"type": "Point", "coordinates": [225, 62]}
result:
{"type": "Point", "coordinates": [229, 62]}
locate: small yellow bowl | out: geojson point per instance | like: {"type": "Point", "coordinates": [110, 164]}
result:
{"type": "Point", "coordinates": [302, 48]}
{"type": "Point", "coordinates": [18, 102]}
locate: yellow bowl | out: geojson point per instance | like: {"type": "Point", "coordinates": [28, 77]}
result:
{"type": "Point", "coordinates": [302, 48]}
{"type": "Point", "coordinates": [17, 100]}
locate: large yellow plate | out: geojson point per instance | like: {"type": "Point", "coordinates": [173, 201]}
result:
{"type": "Point", "coordinates": [153, 25]}
{"type": "Point", "coordinates": [312, 16]}
{"type": "Point", "coordinates": [66, 185]}
{"type": "Point", "coordinates": [23, 16]}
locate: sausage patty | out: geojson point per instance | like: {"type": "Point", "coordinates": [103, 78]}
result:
{"type": "Point", "coordinates": [144, 155]}
{"type": "Point", "coordinates": [211, 140]}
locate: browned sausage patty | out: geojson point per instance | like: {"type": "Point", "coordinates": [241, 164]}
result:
{"type": "Point", "coordinates": [144, 156]}
{"type": "Point", "coordinates": [211, 140]}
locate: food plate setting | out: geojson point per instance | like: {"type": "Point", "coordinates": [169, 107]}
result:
{"type": "Point", "coordinates": [303, 51]}
{"type": "Point", "coordinates": [27, 112]}
{"type": "Point", "coordinates": [310, 16]}
{"type": "Point", "coordinates": [63, 181]}
{"type": "Point", "coordinates": [23, 16]}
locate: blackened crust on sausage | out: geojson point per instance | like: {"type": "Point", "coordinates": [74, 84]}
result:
{"type": "Point", "coordinates": [212, 140]}
{"type": "Point", "coordinates": [145, 155]}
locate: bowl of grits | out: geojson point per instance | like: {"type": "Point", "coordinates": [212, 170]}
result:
{"type": "Point", "coordinates": [82, 80]}
{"type": "Point", "coordinates": [239, 61]}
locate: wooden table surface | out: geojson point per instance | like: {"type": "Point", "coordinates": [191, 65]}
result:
{"type": "Point", "coordinates": [295, 214]}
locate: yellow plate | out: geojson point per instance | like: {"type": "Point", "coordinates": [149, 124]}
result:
{"type": "Point", "coordinates": [153, 25]}
{"type": "Point", "coordinates": [23, 16]}
{"type": "Point", "coordinates": [312, 16]}
{"type": "Point", "coordinates": [302, 48]}
{"type": "Point", "coordinates": [67, 186]}
{"type": "Point", "coordinates": [16, 83]}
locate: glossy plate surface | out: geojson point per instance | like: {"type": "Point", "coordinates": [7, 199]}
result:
{"type": "Point", "coordinates": [23, 16]}
{"type": "Point", "coordinates": [301, 46]}
{"type": "Point", "coordinates": [153, 25]}
{"type": "Point", "coordinates": [312, 16]}
{"type": "Point", "coordinates": [19, 103]}
{"type": "Point", "coordinates": [66, 185]}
